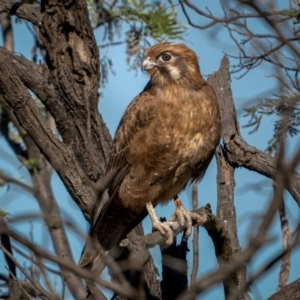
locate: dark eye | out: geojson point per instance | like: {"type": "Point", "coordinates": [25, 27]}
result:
{"type": "Point", "coordinates": [166, 57]}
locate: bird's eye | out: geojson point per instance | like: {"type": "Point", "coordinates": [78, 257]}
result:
{"type": "Point", "coordinates": [166, 57]}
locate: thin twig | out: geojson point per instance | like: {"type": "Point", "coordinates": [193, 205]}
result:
{"type": "Point", "coordinates": [286, 237]}
{"type": "Point", "coordinates": [19, 183]}
{"type": "Point", "coordinates": [83, 273]}
{"type": "Point", "coordinates": [195, 236]}
{"type": "Point", "coordinates": [27, 275]}
{"type": "Point", "coordinates": [262, 270]}
{"type": "Point", "coordinates": [17, 281]}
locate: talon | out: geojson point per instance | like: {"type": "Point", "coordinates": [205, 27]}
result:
{"type": "Point", "coordinates": [181, 217]}
{"type": "Point", "coordinates": [163, 227]}
{"type": "Point", "coordinates": [185, 218]}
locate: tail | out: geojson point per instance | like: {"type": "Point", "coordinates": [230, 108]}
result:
{"type": "Point", "coordinates": [92, 256]}
{"type": "Point", "coordinates": [113, 222]}
{"type": "Point", "coordinates": [92, 251]}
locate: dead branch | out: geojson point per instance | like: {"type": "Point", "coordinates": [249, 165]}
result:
{"type": "Point", "coordinates": [18, 183]}
{"type": "Point", "coordinates": [240, 153]}
{"type": "Point", "coordinates": [213, 20]}
{"type": "Point", "coordinates": [236, 294]}
{"type": "Point", "coordinates": [36, 285]}
{"type": "Point", "coordinates": [29, 12]}
{"type": "Point", "coordinates": [195, 236]}
{"type": "Point", "coordinates": [60, 157]}
{"type": "Point", "coordinates": [289, 292]}
{"type": "Point", "coordinates": [286, 237]}
{"type": "Point", "coordinates": [83, 273]}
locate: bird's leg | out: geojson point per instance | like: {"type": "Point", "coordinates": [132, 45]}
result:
{"type": "Point", "coordinates": [185, 217]}
{"type": "Point", "coordinates": [163, 227]}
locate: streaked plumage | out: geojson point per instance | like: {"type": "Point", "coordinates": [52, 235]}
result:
{"type": "Point", "coordinates": [167, 136]}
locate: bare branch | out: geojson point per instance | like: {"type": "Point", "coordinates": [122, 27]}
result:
{"type": "Point", "coordinates": [255, 243]}
{"type": "Point", "coordinates": [18, 183]}
{"type": "Point", "coordinates": [291, 292]}
{"type": "Point", "coordinates": [33, 76]}
{"type": "Point", "coordinates": [195, 236]}
{"type": "Point", "coordinates": [127, 292]}
{"type": "Point", "coordinates": [27, 286]}
{"type": "Point", "coordinates": [27, 275]}
{"type": "Point", "coordinates": [29, 12]}
{"type": "Point", "coordinates": [238, 151]}
{"type": "Point", "coordinates": [236, 294]}
{"type": "Point", "coordinates": [7, 31]}
{"type": "Point", "coordinates": [13, 289]}
{"type": "Point", "coordinates": [227, 216]}
{"type": "Point", "coordinates": [60, 157]}
{"type": "Point", "coordinates": [16, 280]}
{"type": "Point", "coordinates": [215, 20]}
{"type": "Point", "coordinates": [286, 237]}
{"type": "Point", "coordinates": [5, 241]}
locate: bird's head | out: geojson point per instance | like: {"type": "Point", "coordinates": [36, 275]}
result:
{"type": "Point", "coordinates": [172, 63]}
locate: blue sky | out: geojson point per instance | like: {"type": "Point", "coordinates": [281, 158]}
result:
{"type": "Point", "coordinates": [252, 193]}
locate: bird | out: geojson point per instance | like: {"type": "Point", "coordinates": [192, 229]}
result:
{"type": "Point", "coordinates": [166, 138]}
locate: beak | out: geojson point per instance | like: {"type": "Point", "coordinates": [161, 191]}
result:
{"type": "Point", "coordinates": [148, 64]}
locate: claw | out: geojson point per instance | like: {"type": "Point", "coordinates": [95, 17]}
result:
{"type": "Point", "coordinates": [185, 217]}
{"type": "Point", "coordinates": [181, 217]}
{"type": "Point", "coordinates": [163, 227]}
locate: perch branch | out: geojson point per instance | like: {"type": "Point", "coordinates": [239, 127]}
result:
{"type": "Point", "coordinates": [29, 12]}
{"type": "Point", "coordinates": [238, 151]}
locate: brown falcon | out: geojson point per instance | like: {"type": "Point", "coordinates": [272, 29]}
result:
{"type": "Point", "coordinates": [167, 136]}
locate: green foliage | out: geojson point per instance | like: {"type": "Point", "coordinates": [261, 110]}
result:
{"type": "Point", "coordinates": [159, 20]}
{"type": "Point", "coordinates": [41, 107]}
{"type": "Point", "coordinates": [4, 213]}
{"type": "Point", "coordinates": [146, 20]}
{"type": "Point", "coordinates": [2, 182]}
{"type": "Point", "coordinates": [293, 12]}
{"type": "Point", "coordinates": [14, 135]}
{"type": "Point", "coordinates": [33, 165]}
{"type": "Point", "coordinates": [287, 102]}
{"type": "Point", "coordinates": [106, 66]}
{"type": "Point", "coordinates": [276, 106]}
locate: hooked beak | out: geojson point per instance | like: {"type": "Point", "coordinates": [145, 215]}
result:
{"type": "Point", "coordinates": [148, 64]}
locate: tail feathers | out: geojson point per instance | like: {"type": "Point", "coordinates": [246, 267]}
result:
{"type": "Point", "coordinates": [92, 256]}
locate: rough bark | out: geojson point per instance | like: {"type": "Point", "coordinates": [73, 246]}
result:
{"type": "Point", "coordinates": [67, 84]}
{"type": "Point", "coordinates": [220, 81]}
{"type": "Point", "coordinates": [289, 292]}
{"type": "Point", "coordinates": [174, 270]}
{"type": "Point", "coordinates": [138, 265]}
{"type": "Point", "coordinates": [195, 242]}
{"type": "Point", "coordinates": [286, 239]}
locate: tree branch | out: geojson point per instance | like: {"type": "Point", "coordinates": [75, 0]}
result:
{"type": "Point", "coordinates": [227, 216]}
{"type": "Point", "coordinates": [195, 236]}
{"type": "Point", "coordinates": [29, 12]}
{"type": "Point", "coordinates": [282, 178]}
{"type": "Point", "coordinates": [238, 151]}
{"type": "Point", "coordinates": [27, 286]}
{"type": "Point", "coordinates": [262, 271]}
{"type": "Point", "coordinates": [289, 292]}
{"type": "Point", "coordinates": [27, 275]}
{"type": "Point", "coordinates": [215, 20]}
{"type": "Point", "coordinates": [61, 158]}
{"type": "Point", "coordinates": [286, 237]}
{"type": "Point", "coordinates": [18, 183]}
{"type": "Point", "coordinates": [127, 291]}
{"type": "Point", "coordinates": [33, 76]}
